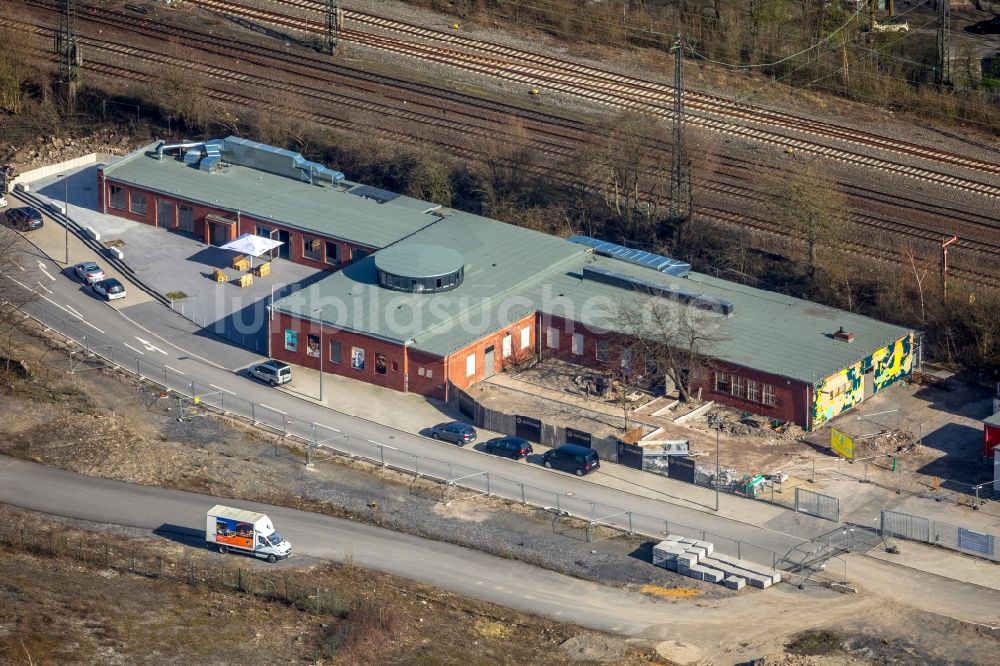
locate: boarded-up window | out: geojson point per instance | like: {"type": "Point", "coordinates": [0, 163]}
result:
{"type": "Point", "coordinates": [578, 343]}
{"type": "Point", "coordinates": [525, 337]}
{"type": "Point", "coordinates": [505, 349]}
{"type": "Point", "coordinates": [470, 365]}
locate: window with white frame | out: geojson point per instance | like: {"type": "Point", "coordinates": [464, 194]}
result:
{"type": "Point", "coordinates": [470, 365]}
{"type": "Point", "coordinates": [525, 337]}
{"type": "Point", "coordinates": [602, 351]}
{"type": "Point", "coordinates": [753, 390]}
{"type": "Point", "coordinates": [768, 396]}
{"type": "Point", "coordinates": [721, 382]}
{"type": "Point", "coordinates": [137, 202]}
{"type": "Point", "coordinates": [737, 386]}
{"type": "Point", "coordinates": [117, 197]}
{"type": "Point", "coordinates": [577, 344]}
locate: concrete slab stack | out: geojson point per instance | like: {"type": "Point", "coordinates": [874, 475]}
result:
{"type": "Point", "coordinates": [698, 560]}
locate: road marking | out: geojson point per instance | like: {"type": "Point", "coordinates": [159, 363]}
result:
{"type": "Point", "coordinates": [134, 349]}
{"type": "Point", "coordinates": [173, 369]}
{"type": "Point", "coordinates": [41, 267]}
{"type": "Point", "coordinates": [273, 409]}
{"type": "Point", "coordinates": [44, 287]}
{"type": "Point", "coordinates": [18, 265]}
{"type": "Point", "coordinates": [73, 312]}
{"type": "Point", "coordinates": [27, 288]}
{"type": "Point", "coordinates": [327, 427]}
{"type": "Point", "coordinates": [150, 346]}
{"type": "Point", "coordinates": [372, 441]}
{"type": "Point", "coordinates": [221, 389]}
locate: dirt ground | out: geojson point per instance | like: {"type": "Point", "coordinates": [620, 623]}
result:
{"type": "Point", "coordinates": [86, 606]}
{"type": "Point", "coordinates": [932, 430]}
{"type": "Point", "coordinates": [103, 423]}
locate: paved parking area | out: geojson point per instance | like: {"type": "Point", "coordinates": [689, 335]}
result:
{"type": "Point", "coordinates": [171, 263]}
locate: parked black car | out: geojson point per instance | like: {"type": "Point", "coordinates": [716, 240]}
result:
{"type": "Point", "coordinates": [456, 431]}
{"type": "Point", "coordinates": [572, 458]}
{"type": "Point", "coordinates": [24, 219]}
{"type": "Point", "coordinates": [515, 447]}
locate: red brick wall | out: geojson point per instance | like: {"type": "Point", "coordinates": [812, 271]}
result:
{"type": "Point", "coordinates": [432, 386]}
{"type": "Point", "coordinates": [457, 368]}
{"type": "Point", "coordinates": [372, 347]}
{"type": "Point", "coordinates": [247, 224]}
{"type": "Point", "coordinates": [792, 398]}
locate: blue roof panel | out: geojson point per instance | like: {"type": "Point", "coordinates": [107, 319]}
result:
{"type": "Point", "coordinates": [638, 257]}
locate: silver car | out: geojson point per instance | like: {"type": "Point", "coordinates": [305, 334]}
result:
{"type": "Point", "coordinates": [89, 272]}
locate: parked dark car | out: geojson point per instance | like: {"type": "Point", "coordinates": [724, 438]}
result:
{"type": "Point", "coordinates": [456, 431]}
{"type": "Point", "coordinates": [572, 458]}
{"type": "Point", "coordinates": [24, 219]}
{"type": "Point", "coordinates": [110, 289]}
{"type": "Point", "coordinates": [515, 447]}
{"type": "Point", "coordinates": [987, 27]}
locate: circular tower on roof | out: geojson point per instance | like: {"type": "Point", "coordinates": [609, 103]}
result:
{"type": "Point", "coordinates": [420, 268]}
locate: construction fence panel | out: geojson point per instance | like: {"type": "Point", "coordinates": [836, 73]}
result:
{"type": "Point", "coordinates": [816, 504]}
{"type": "Point", "coordinates": [905, 526]}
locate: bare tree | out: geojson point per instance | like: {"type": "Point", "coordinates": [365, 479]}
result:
{"type": "Point", "coordinates": [678, 338]}
{"type": "Point", "coordinates": [503, 180]}
{"type": "Point", "coordinates": [14, 68]}
{"type": "Point", "coordinates": [808, 205]}
{"type": "Point", "coordinates": [627, 163]}
{"type": "Point", "coordinates": [13, 297]}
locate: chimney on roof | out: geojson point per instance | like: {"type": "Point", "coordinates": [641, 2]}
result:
{"type": "Point", "coordinates": [841, 334]}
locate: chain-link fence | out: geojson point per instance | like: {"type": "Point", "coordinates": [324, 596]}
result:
{"type": "Point", "coordinates": [87, 351]}
{"type": "Point", "coordinates": [222, 575]}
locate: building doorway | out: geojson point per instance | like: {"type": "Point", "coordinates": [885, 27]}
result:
{"type": "Point", "coordinates": [489, 364]}
{"type": "Point", "coordinates": [165, 214]}
{"type": "Point", "coordinates": [285, 249]}
{"type": "Point", "coordinates": [221, 230]}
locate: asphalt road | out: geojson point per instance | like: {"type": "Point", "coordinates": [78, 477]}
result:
{"type": "Point", "coordinates": [723, 628]}
{"type": "Point", "coordinates": [66, 305]}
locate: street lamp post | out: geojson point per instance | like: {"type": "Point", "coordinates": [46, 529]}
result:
{"type": "Point", "coordinates": [65, 213]}
{"type": "Point", "coordinates": [320, 310]}
{"type": "Point", "coordinates": [716, 423]}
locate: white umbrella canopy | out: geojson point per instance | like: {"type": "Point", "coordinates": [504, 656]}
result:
{"type": "Point", "coordinates": [251, 244]}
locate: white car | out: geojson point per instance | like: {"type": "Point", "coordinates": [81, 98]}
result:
{"type": "Point", "coordinates": [89, 272]}
{"type": "Point", "coordinates": [109, 289]}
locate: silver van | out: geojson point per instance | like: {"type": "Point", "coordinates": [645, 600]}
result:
{"type": "Point", "coordinates": [273, 372]}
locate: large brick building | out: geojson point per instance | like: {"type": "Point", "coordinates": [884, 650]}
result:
{"type": "Point", "coordinates": [425, 298]}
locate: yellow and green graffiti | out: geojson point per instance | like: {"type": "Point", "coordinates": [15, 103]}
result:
{"type": "Point", "coordinates": [845, 389]}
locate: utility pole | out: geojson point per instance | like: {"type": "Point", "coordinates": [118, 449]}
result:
{"type": "Point", "coordinates": [944, 262]}
{"type": "Point", "coordinates": [680, 178]}
{"type": "Point", "coordinates": [943, 77]}
{"type": "Point", "coordinates": [68, 54]}
{"type": "Point", "coordinates": [334, 23]}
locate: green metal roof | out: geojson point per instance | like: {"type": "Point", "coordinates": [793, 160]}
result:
{"type": "Point", "coordinates": [500, 260]}
{"type": "Point", "coordinates": [332, 211]}
{"type": "Point", "coordinates": [767, 331]}
{"type": "Point", "coordinates": [511, 272]}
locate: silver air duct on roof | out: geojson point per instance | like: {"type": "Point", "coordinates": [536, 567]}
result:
{"type": "Point", "coordinates": [281, 162]}
{"type": "Point", "coordinates": [209, 155]}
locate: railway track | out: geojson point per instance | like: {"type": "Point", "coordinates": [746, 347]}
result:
{"type": "Point", "coordinates": [626, 92]}
{"type": "Point", "coordinates": [243, 81]}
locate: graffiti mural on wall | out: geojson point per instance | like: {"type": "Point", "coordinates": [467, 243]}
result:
{"type": "Point", "coordinates": [838, 393]}
{"type": "Point", "coordinates": [845, 389]}
{"type": "Point", "coordinates": [893, 363]}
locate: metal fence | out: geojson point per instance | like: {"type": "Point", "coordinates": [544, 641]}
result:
{"type": "Point", "coordinates": [816, 504]}
{"type": "Point", "coordinates": [938, 533]}
{"type": "Point", "coordinates": [88, 351]}
{"type": "Point", "coordinates": [513, 424]}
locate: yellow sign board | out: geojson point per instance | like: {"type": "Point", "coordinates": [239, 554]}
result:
{"type": "Point", "coordinates": [841, 444]}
